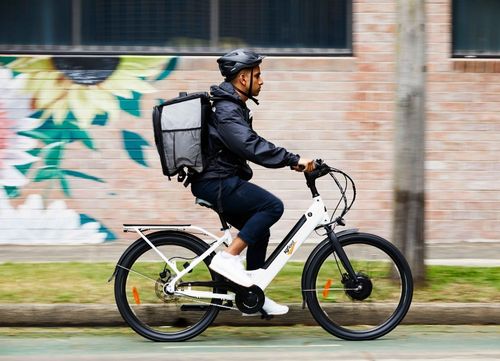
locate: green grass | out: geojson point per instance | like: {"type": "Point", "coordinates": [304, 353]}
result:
{"type": "Point", "coordinates": [87, 283]}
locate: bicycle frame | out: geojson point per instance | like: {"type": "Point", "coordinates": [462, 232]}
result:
{"type": "Point", "coordinates": [315, 216]}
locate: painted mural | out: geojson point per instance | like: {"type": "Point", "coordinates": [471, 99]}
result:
{"type": "Point", "coordinates": [47, 106]}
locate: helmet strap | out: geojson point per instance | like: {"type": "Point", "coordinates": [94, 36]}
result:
{"type": "Point", "coordinates": [248, 93]}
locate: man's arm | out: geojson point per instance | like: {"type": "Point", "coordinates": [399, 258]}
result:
{"type": "Point", "coordinates": [246, 143]}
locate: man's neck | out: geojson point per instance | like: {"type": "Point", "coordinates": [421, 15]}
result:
{"type": "Point", "coordinates": [241, 93]}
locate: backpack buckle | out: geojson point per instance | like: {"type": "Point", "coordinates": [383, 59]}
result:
{"type": "Point", "coordinates": [181, 175]}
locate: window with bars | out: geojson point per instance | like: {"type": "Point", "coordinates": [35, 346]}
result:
{"type": "Point", "coordinates": [476, 32]}
{"type": "Point", "coordinates": [180, 26]}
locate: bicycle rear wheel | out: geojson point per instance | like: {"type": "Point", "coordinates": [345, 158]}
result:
{"type": "Point", "coordinates": [139, 282]}
{"type": "Point", "coordinates": [362, 310]}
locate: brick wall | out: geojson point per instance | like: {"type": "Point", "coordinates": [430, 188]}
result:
{"type": "Point", "coordinates": [463, 139]}
{"type": "Point", "coordinates": [338, 109]}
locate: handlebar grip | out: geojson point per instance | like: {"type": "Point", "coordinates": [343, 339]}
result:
{"type": "Point", "coordinates": [320, 169]}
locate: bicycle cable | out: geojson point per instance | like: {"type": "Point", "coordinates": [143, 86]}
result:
{"type": "Point", "coordinates": [343, 190]}
{"type": "Point", "coordinates": [342, 193]}
{"type": "Point", "coordinates": [343, 197]}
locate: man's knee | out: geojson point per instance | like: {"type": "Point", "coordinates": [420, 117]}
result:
{"type": "Point", "coordinates": [277, 208]}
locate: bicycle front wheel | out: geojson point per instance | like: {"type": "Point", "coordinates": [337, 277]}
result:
{"type": "Point", "coordinates": [139, 294]}
{"type": "Point", "coordinates": [369, 307]}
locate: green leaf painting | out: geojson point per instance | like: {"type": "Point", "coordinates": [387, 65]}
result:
{"type": "Point", "coordinates": [82, 175]}
{"type": "Point", "coordinates": [133, 143]}
{"type": "Point", "coordinates": [47, 172]}
{"type": "Point", "coordinates": [110, 236]}
{"type": "Point", "coordinates": [101, 119]}
{"type": "Point", "coordinates": [53, 153]}
{"type": "Point", "coordinates": [12, 192]}
{"type": "Point", "coordinates": [171, 65]}
{"type": "Point", "coordinates": [131, 106]}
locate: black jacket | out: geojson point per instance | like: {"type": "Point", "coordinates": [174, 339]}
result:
{"type": "Point", "coordinates": [232, 141]}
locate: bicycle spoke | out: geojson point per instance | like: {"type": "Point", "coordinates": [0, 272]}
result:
{"type": "Point", "coordinates": [138, 273]}
{"type": "Point", "coordinates": [329, 289]}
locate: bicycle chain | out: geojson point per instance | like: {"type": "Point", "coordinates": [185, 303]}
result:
{"type": "Point", "coordinates": [195, 299]}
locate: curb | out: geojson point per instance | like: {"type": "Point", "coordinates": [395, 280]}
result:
{"type": "Point", "coordinates": [67, 315]}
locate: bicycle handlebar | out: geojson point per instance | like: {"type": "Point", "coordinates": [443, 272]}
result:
{"type": "Point", "coordinates": [320, 169]}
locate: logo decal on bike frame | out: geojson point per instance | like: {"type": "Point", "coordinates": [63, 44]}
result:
{"type": "Point", "coordinates": [289, 249]}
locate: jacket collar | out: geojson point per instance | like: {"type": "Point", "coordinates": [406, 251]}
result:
{"type": "Point", "coordinates": [226, 90]}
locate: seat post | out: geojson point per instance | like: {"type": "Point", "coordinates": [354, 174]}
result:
{"type": "Point", "coordinates": [204, 203]}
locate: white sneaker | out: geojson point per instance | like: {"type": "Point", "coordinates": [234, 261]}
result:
{"type": "Point", "coordinates": [271, 308]}
{"type": "Point", "coordinates": [230, 267]}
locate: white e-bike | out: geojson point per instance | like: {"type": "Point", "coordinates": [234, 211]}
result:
{"type": "Point", "coordinates": [357, 286]}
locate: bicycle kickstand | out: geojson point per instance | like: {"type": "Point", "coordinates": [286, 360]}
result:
{"type": "Point", "coordinates": [265, 316]}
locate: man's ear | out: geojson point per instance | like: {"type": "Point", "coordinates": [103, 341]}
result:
{"type": "Point", "coordinates": [243, 77]}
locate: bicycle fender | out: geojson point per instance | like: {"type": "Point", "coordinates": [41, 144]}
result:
{"type": "Point", "coordinates": [313, 254]}
{"type": "Point", "coordinates": [140, 243]}
{"type": "Point", "coordinates": [346, 231]}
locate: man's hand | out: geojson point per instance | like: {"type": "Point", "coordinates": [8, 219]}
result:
{"type": "Point", "coordinates": [304, 165]}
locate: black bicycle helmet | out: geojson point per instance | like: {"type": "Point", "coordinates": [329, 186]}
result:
{"type": "Point", "coordinates": [231, 63]}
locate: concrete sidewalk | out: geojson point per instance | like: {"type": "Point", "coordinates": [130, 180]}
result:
{"type": "Point", "coordinates": [60, 315]}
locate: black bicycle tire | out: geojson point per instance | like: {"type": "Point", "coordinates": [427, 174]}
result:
{"type": "Point", "coordinates": [313, 265]}
{"type": "Point", "coordinates": [137, 249]}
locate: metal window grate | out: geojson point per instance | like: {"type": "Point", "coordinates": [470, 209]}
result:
{"type": "Point", "coordinates": [180, 26]}
{"type": "Point", "coordinates": [475, 28]}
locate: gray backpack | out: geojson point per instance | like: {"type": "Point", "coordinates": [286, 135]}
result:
{"type": "Point", "coordinates": [179, 126]}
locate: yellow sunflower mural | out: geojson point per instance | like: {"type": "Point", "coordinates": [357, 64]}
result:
{"type": "Point", "coordinates": [86, 86]}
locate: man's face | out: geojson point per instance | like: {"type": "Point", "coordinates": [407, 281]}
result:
{"type": "Point", "coordinates": [257, 80]}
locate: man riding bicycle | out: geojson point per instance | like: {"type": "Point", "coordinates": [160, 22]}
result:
{"type": "Point", "coordinates": [225, 180]}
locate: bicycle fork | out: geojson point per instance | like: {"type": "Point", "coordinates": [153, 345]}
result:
{"type": "Point", "coordinates": [337, 249]}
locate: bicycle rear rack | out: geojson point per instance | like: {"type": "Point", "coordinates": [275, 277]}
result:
{"type": "Point", "coordinates": [147, 227]}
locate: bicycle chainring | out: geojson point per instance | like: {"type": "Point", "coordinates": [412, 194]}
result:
{"type": "Point", "coordinates": [251, 300]}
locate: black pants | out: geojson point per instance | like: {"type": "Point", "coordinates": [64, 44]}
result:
{"type": "Point", "coordinates": [249, 208]}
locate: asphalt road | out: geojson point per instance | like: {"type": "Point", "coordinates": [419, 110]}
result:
{"type": "Point", "coordinates": [253, 343]}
